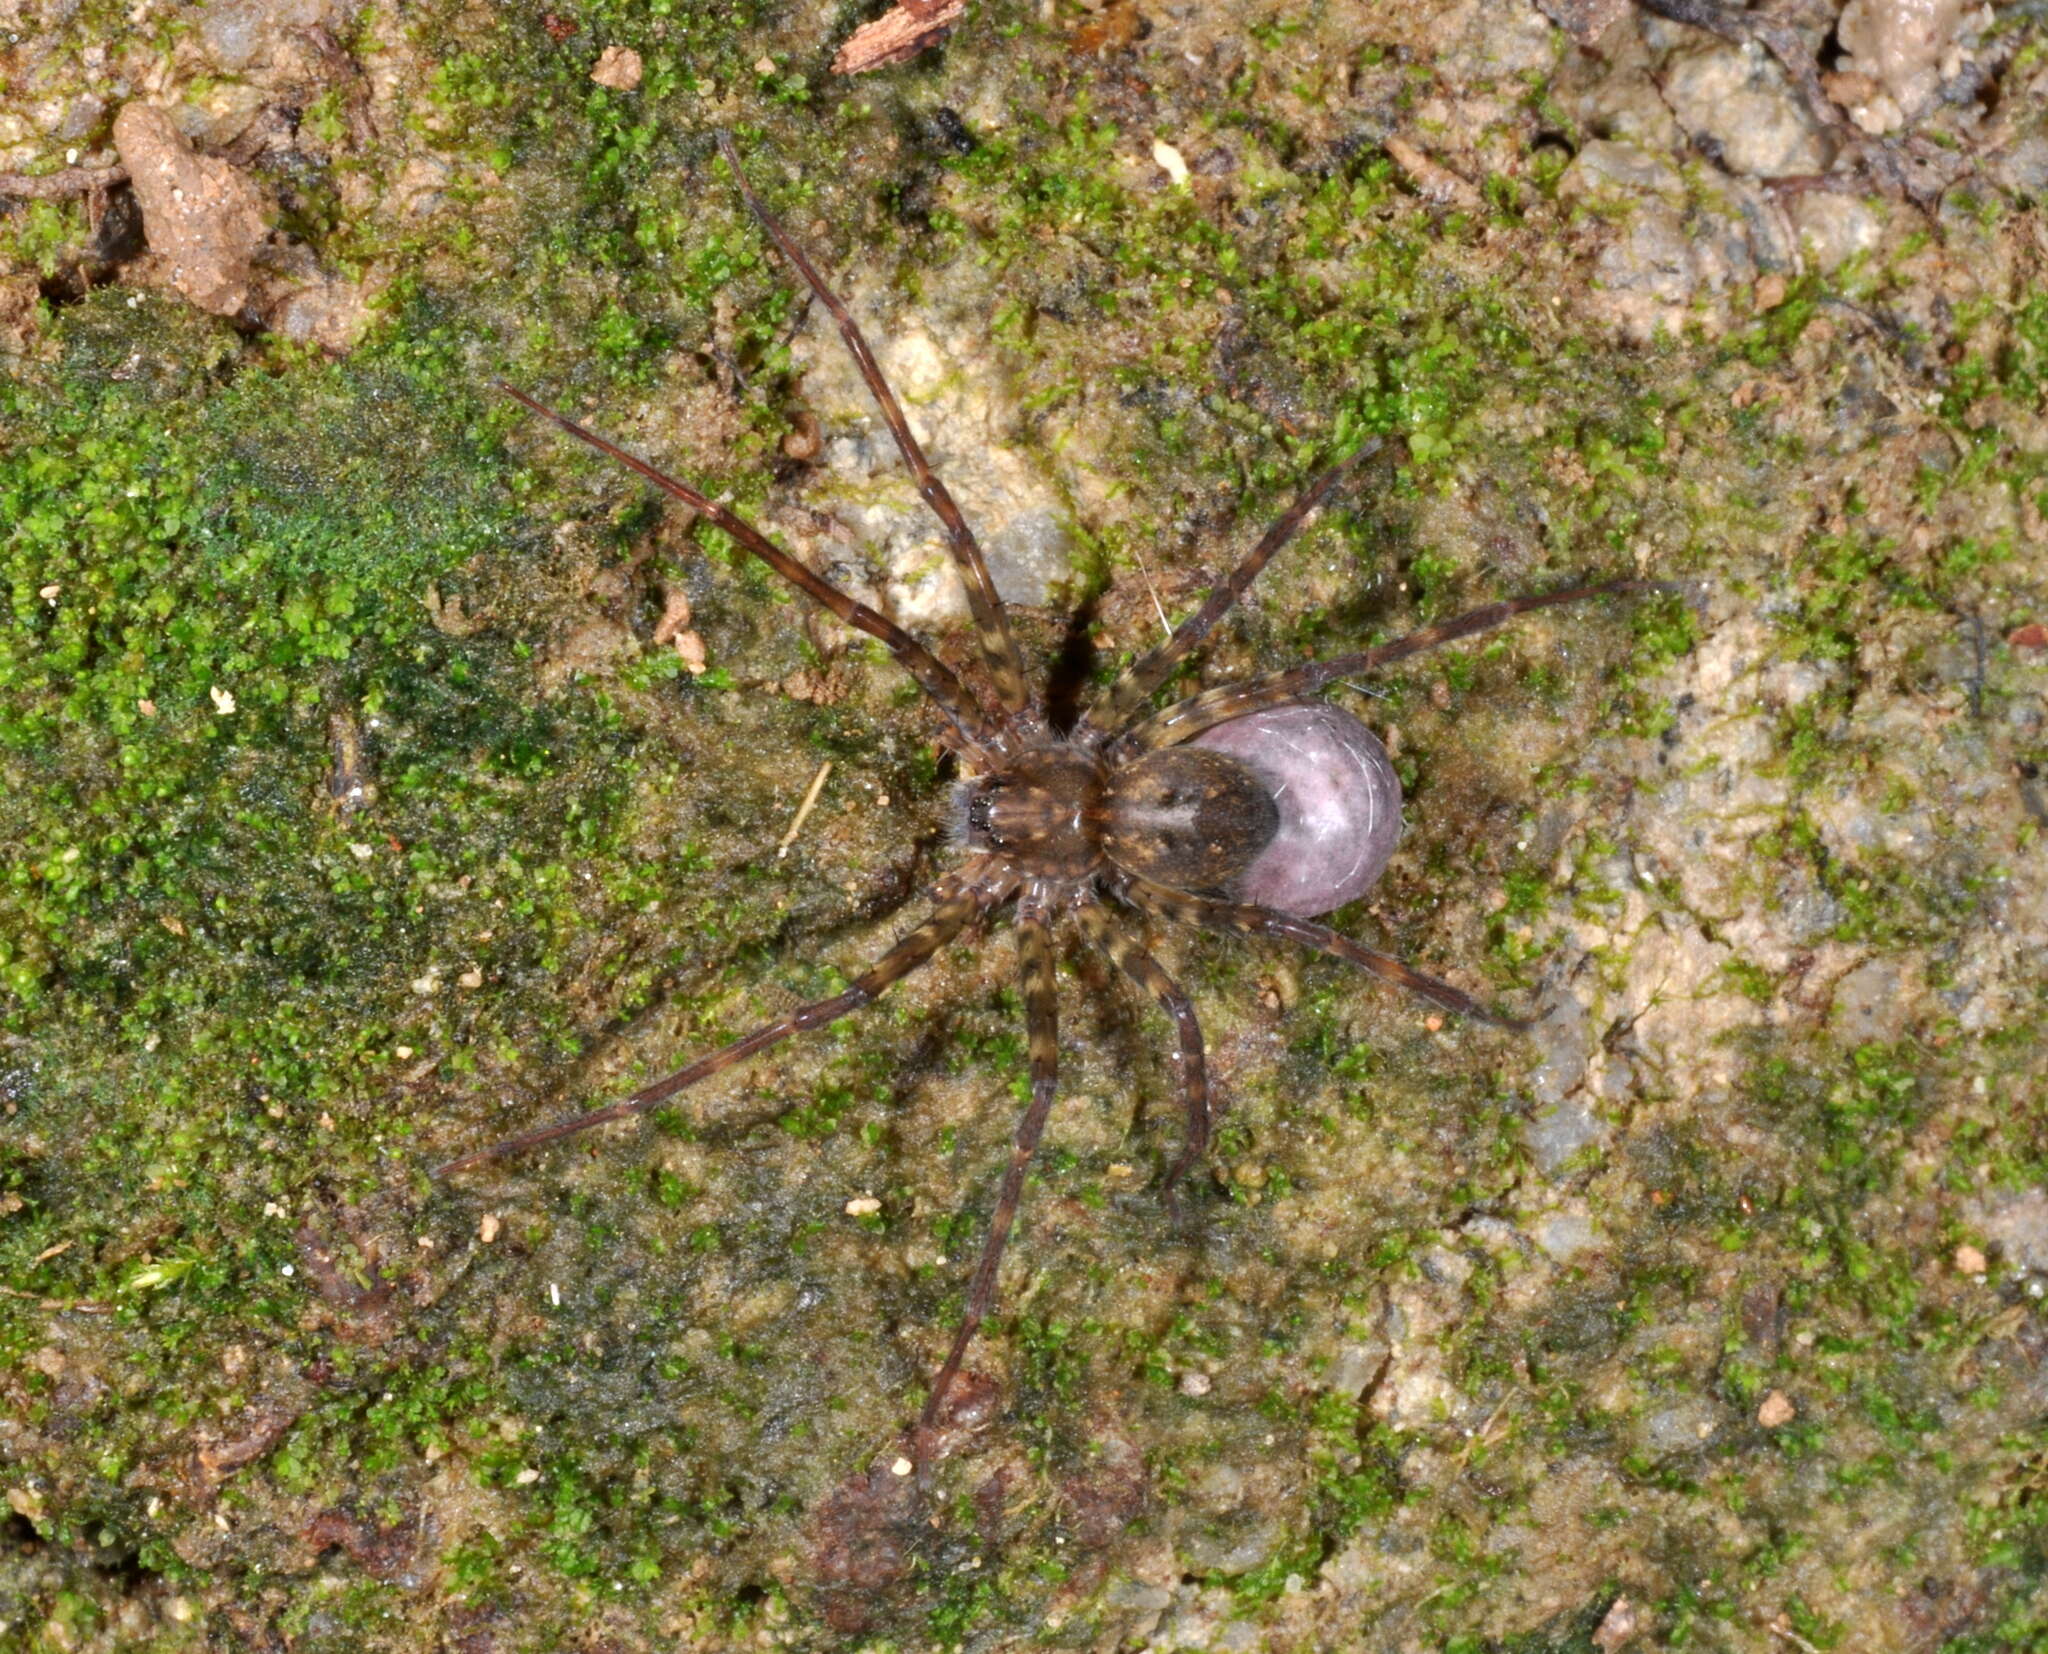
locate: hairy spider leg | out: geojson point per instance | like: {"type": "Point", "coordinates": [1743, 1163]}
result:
{"type": "Point", "coordinates": [1149, 671]}
{"type": "Point", "coordinates": [1041, 1021]}
{"type": "Point", "coordinates": [1184, 720]}
{"type": "Point", "coordinates": [991, 621]}
{"type": "Point", "coordinates": [1244, 919]}
{"type": "Point", "coordinates": [933, 676]}
{"type": "Point", "coordinates": [1191, 1072]}
{"type": "Point", "coordinates": [961, 897]}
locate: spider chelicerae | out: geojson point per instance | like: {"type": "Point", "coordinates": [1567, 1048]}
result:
{"type": "Point", "coordinates": [1247, 808]}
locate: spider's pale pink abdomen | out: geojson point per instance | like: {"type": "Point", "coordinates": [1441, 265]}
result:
{"type": "Point", "coordinates": [1339, 803]}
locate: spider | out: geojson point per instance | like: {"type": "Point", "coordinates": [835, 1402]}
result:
{"type": "Point", "coordinates": [1247, 808]}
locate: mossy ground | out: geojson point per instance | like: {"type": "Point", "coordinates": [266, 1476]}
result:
{"type": "Point", "coordinates": [268, 1384]}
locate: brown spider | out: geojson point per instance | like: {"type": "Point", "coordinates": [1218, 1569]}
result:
{"type": "Point", "coordinates": [1247, 808]}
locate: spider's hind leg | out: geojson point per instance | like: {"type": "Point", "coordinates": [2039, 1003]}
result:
{"type": "Point", "coordinates": [1122, 700]}
{"type": "Point", "coordinates": [1190, 1067]}
{"type": "Point", "coordinates": [961, 898]}
{"type": "Point", "coordinates": [1184, 720]}
{"type": "Point", "coordinates": [1041, 1014]}
{"type": "Point", "coordinates": [1243, 919]}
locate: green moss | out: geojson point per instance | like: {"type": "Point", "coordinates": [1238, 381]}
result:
{"type": "Point", "coordinates": [42, 235]}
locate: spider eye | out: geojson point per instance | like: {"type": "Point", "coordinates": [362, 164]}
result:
{"type": "Point", "coordinates": [980, 809]}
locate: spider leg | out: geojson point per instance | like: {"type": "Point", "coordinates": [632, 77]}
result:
{"type": "Point", "coordinates": [1191, 1073]}
{"type": "Point", "coordinates": [1186, 719]}
{"type": "Point", "coordinates": [1246, 920]}
{"type": "Point", "coordinates": [998, 644]}
{"type": "Point", "coordinates": [960, 898]}
{"type": "Point", "coordinates": [1149, 671]}
{"type": "Point", "coordinates": [932, 674]}
{"type": "Point", "coordinates": [1041, 1016]}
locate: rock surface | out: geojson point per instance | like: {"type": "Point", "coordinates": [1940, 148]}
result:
{"type": "Point", "coordinates": [202, 217]}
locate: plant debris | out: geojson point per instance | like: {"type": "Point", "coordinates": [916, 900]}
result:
{"type": "Point", "coordinates": [896, 36]}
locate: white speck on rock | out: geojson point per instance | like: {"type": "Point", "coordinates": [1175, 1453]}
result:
{"type": "Point", "coordinates": [1564, 1235]}
{"type": "Point", "coordinates": [1557, 1133]}
{"type": "Point", "coordinates": [1834, 228]}
{"type": "Point", "coordinates": [1679, 1428]}
{"type": "Point", "coordinates": [2018, 1227]}
{"type": "Point", "coordinates": [1901, 44]}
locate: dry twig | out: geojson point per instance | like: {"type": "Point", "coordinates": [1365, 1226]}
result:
{"type": "Point", "coordinates": [61, 186]}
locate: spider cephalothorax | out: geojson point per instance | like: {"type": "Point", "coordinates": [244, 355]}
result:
{"type": "Point", "coordinates": [1248, 808]}
{"type": "Point", "coordinates": [1185, 817]}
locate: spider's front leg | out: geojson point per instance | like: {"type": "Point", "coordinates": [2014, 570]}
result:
{"type": "Point", "coordinates": [991, 621]}
{"type": "Point", "coordinates": [932, 675]}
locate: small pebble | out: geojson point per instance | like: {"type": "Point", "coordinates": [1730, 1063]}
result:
{"type": "Point", "coordinates": [1620, 1625]}
{"type": "Point", "coordinates": [1970, 1261]}
{"type": "Point", "coordinates": [1776, 1410]}
{"type": "Point", "coordinates": [1169, 161]}
{"type": "Point", "coordinates": [1196, 1384]}
{"type": "Point", "coordinates": [618, 68]}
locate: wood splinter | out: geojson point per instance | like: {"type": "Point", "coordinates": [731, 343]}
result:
{"type": "Point", "coordinates": [897, 35]}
